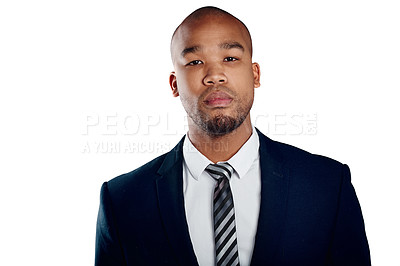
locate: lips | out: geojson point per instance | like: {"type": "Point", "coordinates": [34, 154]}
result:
{"type": "Point", "coordinates": [218, 99]}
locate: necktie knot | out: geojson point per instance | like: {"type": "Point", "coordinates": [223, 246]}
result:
{"type": "Point", "coordinates": [220, 170]}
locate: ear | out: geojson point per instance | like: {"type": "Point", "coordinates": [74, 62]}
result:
{"type": "Point", "coordinates": [256, 74]}
{"type": "Point", "coordinates": [173, 84]}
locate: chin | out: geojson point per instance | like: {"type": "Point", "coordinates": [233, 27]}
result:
{"type": "Point", "coordinates": [221, 125]}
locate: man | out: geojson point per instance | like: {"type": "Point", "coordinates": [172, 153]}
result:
{"type": "Point", "coordinates": [227, 194]}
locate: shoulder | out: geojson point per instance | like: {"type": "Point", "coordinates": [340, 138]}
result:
{"type": "Point", "coordinates": [143, 178]}
{"type": "Point", "coordinates": [128, 188]}
{"type": "Point", "coordinates": [295, 155]}
{"type": "Point", "coordinates": [301, 161]}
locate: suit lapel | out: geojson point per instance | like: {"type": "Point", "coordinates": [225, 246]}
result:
{"type": "Point", "coordinates": [274, 191]}
{"type": "Point", "coordinates": [172, 208]}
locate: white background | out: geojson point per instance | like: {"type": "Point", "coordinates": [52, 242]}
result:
{"type": "Point", "coordinates": [76, 74]}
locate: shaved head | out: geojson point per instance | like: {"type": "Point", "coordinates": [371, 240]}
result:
{"type": "Point", "coordinates": [209, 13]}
{"type": "Point", "coordinates": [214, 75]}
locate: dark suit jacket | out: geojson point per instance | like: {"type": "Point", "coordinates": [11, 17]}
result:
{"type": "Point", "coordinates": [309, 213]}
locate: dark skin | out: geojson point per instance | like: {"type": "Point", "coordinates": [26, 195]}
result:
{"type": "Point", "coordinates": [214, 77]}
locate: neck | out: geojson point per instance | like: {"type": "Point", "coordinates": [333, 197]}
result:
{"type": "Point", "coordinates": [220, 148]}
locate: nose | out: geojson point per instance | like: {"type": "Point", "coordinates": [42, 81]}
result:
{"type": "Point", "coordinates": [214, 76]}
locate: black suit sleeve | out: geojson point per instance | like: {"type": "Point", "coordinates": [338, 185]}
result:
{"type": "Point", "coordinates": [108, 248]}
{"type": "Point", "coordinates": [350, 245]}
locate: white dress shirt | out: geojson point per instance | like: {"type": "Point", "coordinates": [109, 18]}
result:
{"type": "Point", "coordinates": [198, 191]}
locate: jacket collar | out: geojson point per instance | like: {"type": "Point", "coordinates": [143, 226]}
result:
{"type": "Point", "coordinates": [172, 207]}
{"type": "Point", "coordinates": [274, 191]}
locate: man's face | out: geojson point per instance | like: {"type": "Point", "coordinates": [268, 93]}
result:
{"type": "Point", "coordinates": [214, 75]}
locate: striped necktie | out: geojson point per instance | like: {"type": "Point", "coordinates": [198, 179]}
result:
{"type": "Point", "coordinates": [226, 249]}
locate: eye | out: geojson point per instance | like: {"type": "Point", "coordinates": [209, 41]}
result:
{"type": "Point", "coordinates": [230, 59]}
{"type": "Point", "coordinates": [194, 62]}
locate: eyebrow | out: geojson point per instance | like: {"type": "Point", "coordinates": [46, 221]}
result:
{"type": "Point", "coordinates": [188, 50]}
{"type": "Point", "coordinates": [225, 45]}
{"type": "Point", "coordinates": [231, 45]}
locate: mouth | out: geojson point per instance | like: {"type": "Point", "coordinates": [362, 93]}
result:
{"type": "Point", "coordinates": [218, 99]}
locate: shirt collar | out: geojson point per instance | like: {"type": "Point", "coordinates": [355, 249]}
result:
{"type": "Point", "coordinates": [241, 161]}
{"type": "Point", "coordinates": [246, 155]}
{"type": "Point", "coordinates": [195, 161]}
